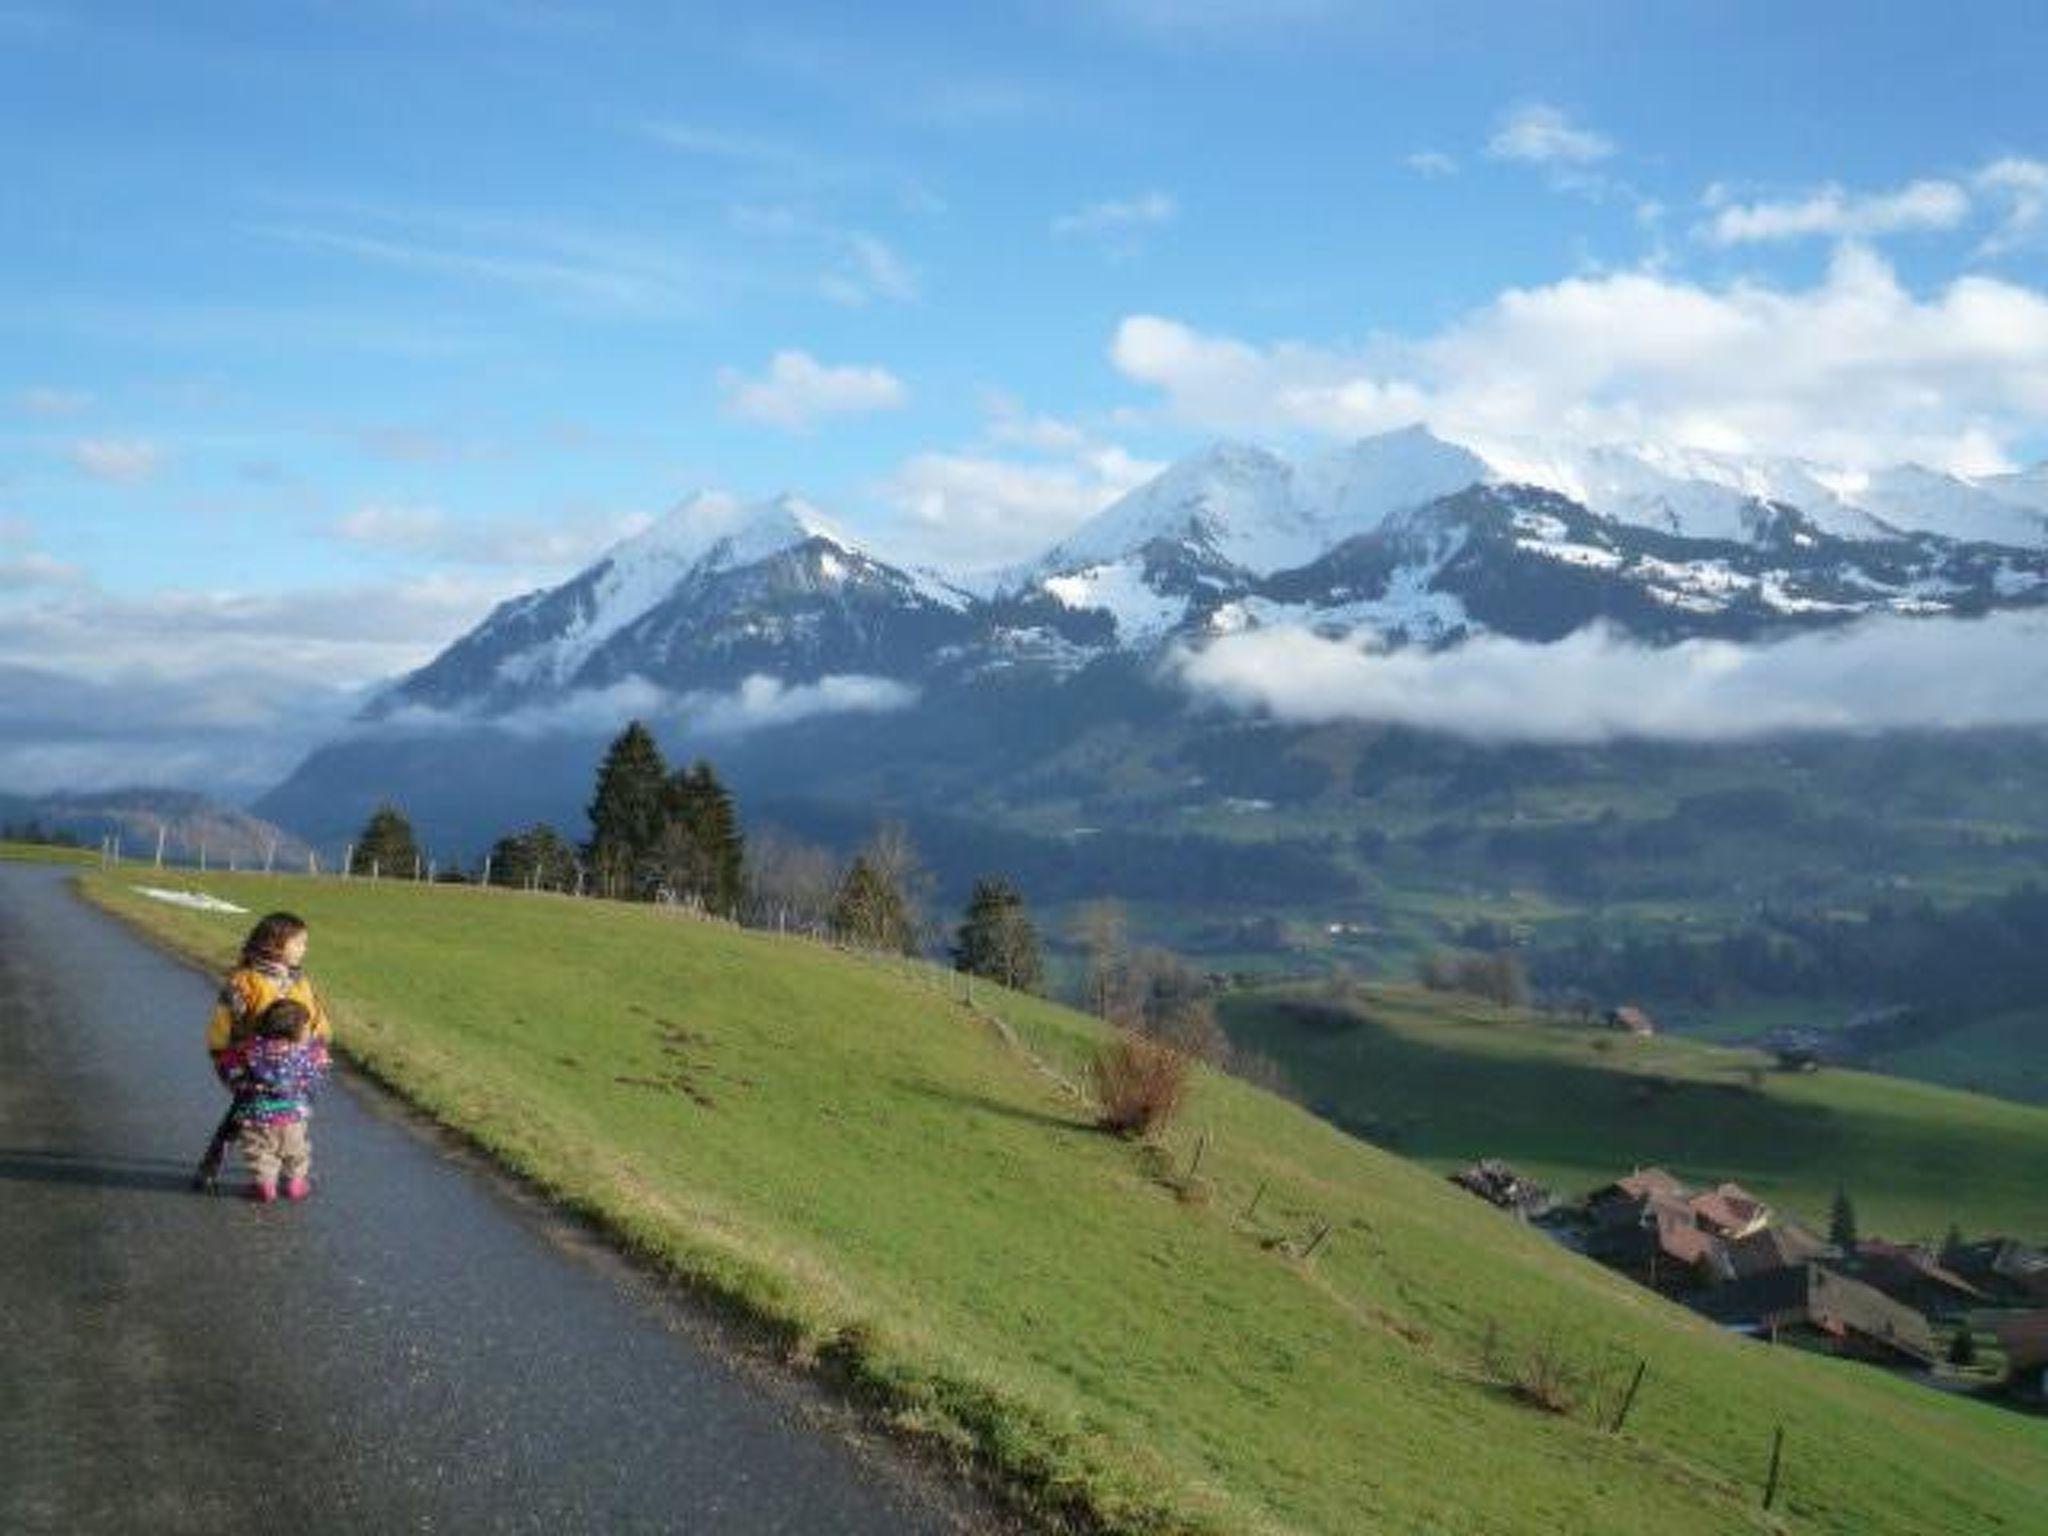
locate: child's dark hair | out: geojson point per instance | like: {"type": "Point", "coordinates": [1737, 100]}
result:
{"type": "Point", "coordinates": [268, 938]}
{"type": "Point", "coordinates": [284, 1020]}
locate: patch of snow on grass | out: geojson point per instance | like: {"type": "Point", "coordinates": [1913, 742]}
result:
{"type": "Point", "coordinates": [198, 901]}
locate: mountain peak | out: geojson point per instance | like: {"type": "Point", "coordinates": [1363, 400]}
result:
{"type": "Point", "coordinates": [714, 526]}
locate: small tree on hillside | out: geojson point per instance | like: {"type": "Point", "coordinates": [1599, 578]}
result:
{"type": "Point", "coordinates": [385, 846]}
{"type": "Point", "coordinates": [789, 883]}
{"type": "Point", "coordinates": [626, 812]}
{"type": "Point", "coordinates": [1169, 1000]}
{"type": "Point", "coordinates": [700, 851]}
{"type": "Point", "coordinates": [1100, 929]}
{"type": "Point", "coordinates": [868, 910]}
{"type": "Point", "coordinates": [997, 939]}
{"type": "Point", "coordinates": [540, 856]}
{"type": "Point", "coordinates": [1842, 1222]}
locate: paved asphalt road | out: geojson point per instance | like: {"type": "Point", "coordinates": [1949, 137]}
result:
{"type": "Point", "coordinates": [414, 1349]}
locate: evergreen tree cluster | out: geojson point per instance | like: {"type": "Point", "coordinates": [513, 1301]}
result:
{"type": "Point", "coordinates": [654, 833]}
{"type": "Point", "coordinates": [997, 939]}
{"type": "Point", "coordinates": [385, 847]}
{"type": "Point", "coordinates": [539, 858]}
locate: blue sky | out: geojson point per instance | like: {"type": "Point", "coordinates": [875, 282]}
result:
{"type": "Point", "coordinates": [432, 298]}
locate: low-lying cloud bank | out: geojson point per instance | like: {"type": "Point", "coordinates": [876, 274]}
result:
{"type": "Point", "coordinates": [757, 703]}
{"type": "Point", "coordinates": [1598, 685]}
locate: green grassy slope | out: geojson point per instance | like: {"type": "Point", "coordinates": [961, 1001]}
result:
{"type": "Point", "coordinates": [838, 1146]}
{"type": "Point", "coordinates": [1447, 1080]}
{"type": "Point", "coordinates": [46, 853]}
{"type": "Point", "coordinates": [2006, 1054]}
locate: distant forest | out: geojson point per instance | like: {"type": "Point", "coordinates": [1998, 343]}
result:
{"type": "Point", "coordinates": [1983, 957]}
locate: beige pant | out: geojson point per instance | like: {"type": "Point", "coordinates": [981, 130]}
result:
{"type": "Point", "coordinates": [281, 1147]}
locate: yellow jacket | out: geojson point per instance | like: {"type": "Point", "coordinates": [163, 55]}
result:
{"type": "Point", "coordinates": [247, 991]}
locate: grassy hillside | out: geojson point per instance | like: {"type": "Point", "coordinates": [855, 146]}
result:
{"type": "Point", "coordinates": [47, 853]}
{"type": "Point", "coordinates": [1447, 1080]}
{"type": "Point", "coordinates": [838, 1146]}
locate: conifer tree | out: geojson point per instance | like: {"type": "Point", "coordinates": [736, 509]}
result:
{"type": "Point", "coordinates": [385, 846]}
{"type": "Point", "coordinates": [997, 939]}
{"type": "Point", "coordinates": [1842, 1223]}
{"type": "Point", "coordinates": [702, 853]}
{"type": "Point", "coordinates": [539, 856]}
{"type": "Point", "coordinates": [869, 910]}
{"type": "Point", "coordinates": [626, 812]}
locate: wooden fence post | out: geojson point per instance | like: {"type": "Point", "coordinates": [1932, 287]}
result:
{"type": "Point", "coordinates": [1628, 1399]}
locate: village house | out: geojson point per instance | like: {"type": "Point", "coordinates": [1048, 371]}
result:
{"type": "Point", "coordinates": [1631, 1020]}
{"type": "Point", "coordinates": [2024, 1338]}
{"type": "Point", "coordinates": [1813, 1306]}
{"type": "Point", "coordinates": [1782, 1245]}
{"type": "Point", "coordinates": [1730, 1211]}
{"type": "Point", "coordinates": [1644, 1225]}
{"type": "Point", "coordinates": [2010, 1273]}
{"type": "Point", "coordinates": [1911, 1274]}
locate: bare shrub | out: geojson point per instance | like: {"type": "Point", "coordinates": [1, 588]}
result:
{"type": "Point", "coordinates": [1139, 1084]}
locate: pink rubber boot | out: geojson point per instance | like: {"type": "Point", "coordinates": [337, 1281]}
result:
{"type": "Point", "coordinates": [297, 1188]}
{"type": "Point", "coordinates": [262, 1193]}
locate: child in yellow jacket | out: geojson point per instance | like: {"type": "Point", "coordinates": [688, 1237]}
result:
{"type": "Point", "coordinates": [268, 972]}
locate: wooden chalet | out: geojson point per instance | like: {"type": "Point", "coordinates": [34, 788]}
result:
{"type": "Point", "coordinates": [1909, 1273]}
{"type": "Point", "coordinates": [1631, 1020]}
{"type": "Point", "coordinates": [1730, 1211]}
{"type": "Point", "coordinates": [1783, 1245]}
{"type": "Point", "coordinates": [2024, 1338]}
{"type": "Point", "coordinates": [1816, 1307]}
{"type": "Point", "coordinates": [2011, 1273]}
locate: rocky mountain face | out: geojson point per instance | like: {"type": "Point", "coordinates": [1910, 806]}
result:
{"type": "Point", "coordinates": [1402, 540]}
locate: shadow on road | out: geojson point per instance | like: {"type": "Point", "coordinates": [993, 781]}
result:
{"type": "Point", "coordinates": [40, 1166]}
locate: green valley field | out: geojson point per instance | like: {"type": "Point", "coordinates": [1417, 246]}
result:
{"type": "Point", "coordinates": [902, 1191]}
{"type": "Point", "coordinates": [1448, 1079]}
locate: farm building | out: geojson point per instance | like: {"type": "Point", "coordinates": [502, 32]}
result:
{"type": "Point", "coordinates": [1631, 1020]}
{"type": "Point", "coordinates": [1911, 1274]}
{"type": "Point", "coordinates": [1730, 1211]}
{"type": "Point", "coordinates": [2024, 1338]}
{"type": "Point", "coordinates": [1784, 1245]}
{"type": "Point", "coordinates": [2007, 1271]}
{"type": "Point", "coordinates": [1814, 1306]}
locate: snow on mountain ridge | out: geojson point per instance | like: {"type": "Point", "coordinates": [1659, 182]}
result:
{"type": "Point", "coordinates": [709, 531]}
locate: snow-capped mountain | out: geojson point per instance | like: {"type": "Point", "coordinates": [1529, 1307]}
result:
{"type": "Point", "coordinates": [1406, 536]}
{"type": "Point", "coordinates": [715, 592]}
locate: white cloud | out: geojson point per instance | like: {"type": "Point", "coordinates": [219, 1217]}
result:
{"type": "Point", "coordinates": [2022, 185]}
{"type": "Point", "coordinates": [122, 461]}
{"type": "Point", "coordinates": [1596, 685]}
{"type": "Point", "coordinates": [1539, 134]}
{"type": "Point", "coordinates": [760, 702]}
{"type": "Point", "coordinates": [798, 389]}
{"type": "Point", "coordinates": [1432, 163]}
{"type": "Point", "coordinates": [526, 544]}
{"type": "Point", "coordinates": [977, 512]}
{"type": "Point", "coordinates": [1834, 213]}
{"type": "Point", "coordinates": [49, 400]}
{"type": "Point", "coordinates": [1120, 220]}
{"type": "Point", "coordinates": [25, 569]}
{"type": "Point", "coordinates": [1853, 369]}
{"type": "Point", "coordinates": [868, 269]}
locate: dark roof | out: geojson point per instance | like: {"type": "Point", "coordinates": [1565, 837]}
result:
{"type": "Point", "coordinates": [1643, 1184]}
{"type": "Point", "coordinates": [1783, 1246]}
{"type": "Point", "coordinates": [1729, 1208]}
{"type": "Point", "coordinates": [2024, 1338]}
{"type": "Point", "coordinates": [1888, 1265]}
{"type": "Point", "coordinates": [1813, 1296]}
